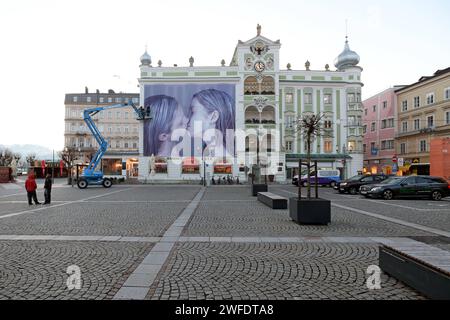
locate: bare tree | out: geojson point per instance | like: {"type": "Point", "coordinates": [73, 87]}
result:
{"type": "Point", "coordinates": [68, 156]}
{"type": "Point", "coordinates": [31, 158]}
{"type": "Point", "coordinates": [6, 157]}
{"type": "Point", "coordinates": [310, 127]}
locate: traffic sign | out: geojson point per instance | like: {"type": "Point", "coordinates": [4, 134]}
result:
{"type": "Point", "coordinates": [394, 158]}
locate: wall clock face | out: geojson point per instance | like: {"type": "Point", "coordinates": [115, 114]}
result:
{"type": "Point", "coordinates": [260, 66]}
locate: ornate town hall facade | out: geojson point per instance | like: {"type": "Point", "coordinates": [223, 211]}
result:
{"type": "Point", "coordinates": [268, 100]}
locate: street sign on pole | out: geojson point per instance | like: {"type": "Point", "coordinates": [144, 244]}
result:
{"type": "Point", "coordinates": [400, 162]}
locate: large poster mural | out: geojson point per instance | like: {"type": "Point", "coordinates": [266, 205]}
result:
{"type": "Point", "coordinates": [189, 120]}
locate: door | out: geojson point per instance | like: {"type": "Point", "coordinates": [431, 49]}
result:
{"type": "Point", "coordinates": [423, 186]}
{"type": "Point", "coordinates": [408, 187]}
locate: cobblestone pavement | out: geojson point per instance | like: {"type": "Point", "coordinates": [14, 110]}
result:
{"type": "Point", "coordinates": [252, 218]}
{"type": "Point", "coordinates": [31, 268]}
{"type": "Point", "coordinates": [117, 219]}
{"type": "Point", "coordinates": [435, 214]}
{"type": "Point", "coordinates": [37, 269]}
{"type": "Point", "coordinates": [273, 271]}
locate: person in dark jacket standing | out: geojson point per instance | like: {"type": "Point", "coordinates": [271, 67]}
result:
{"type": "Point", "coordinates": [48, 188]}
{"type": "Point", "coordinates": [31, 186]}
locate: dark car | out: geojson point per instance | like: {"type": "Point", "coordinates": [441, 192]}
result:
{"type": "Point", "coordinates": [353, 184]}
{"type": "Point", "coordinates": [404, 187]}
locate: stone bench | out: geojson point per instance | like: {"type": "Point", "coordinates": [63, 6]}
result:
{"type": "Point", "coordinates": [421, 266]}
{"type": "Point", "coordinates": [273, 200]}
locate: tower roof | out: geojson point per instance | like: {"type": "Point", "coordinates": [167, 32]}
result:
{"type": "Point", "coordinates": [347, 58]}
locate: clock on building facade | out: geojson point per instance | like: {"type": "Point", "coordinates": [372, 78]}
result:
{"type": "Point", "coordinates": [260, 66]}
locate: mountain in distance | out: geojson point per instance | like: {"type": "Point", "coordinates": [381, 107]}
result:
{"type": "Point", "coordinates": [41, 152]}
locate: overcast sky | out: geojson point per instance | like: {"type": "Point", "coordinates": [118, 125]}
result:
{"type": "Point", "coordinates": [49, 48]}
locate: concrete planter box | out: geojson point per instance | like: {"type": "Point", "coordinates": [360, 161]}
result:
{"type": "Point", "coordinates": [258, 188]}
{"type": "Point", "coordinates": [313, 211]}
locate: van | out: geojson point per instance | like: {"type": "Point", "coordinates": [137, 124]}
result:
{"type": "Point", "coordinates": [324, 177]}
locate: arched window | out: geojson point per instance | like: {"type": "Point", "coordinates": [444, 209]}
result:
{"type": "Point", "coordinates": [268, 85]}
{"type": "Point", "coordinates": [268, 114]}
{"type": "Point", "coordinates": [252, 115]}
{"type": "Point", "coordinates": [251, 86]}
{"type": "Point", "coordinates": [251, 143]}
{"type": "Point", "coordinates": [267, 143]}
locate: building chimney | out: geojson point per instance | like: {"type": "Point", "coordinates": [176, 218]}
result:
{"type": "Point", "coordinates": [86, 90]}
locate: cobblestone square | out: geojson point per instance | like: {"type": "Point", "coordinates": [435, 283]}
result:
{"type": "Point", "coordinates": [188, 242]}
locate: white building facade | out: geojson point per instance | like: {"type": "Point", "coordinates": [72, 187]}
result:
{"type": "Point", "coordinates": [268, 101]}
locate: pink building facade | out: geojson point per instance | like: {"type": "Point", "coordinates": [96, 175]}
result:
{"type": "Point", "coordinates": [379, 119]}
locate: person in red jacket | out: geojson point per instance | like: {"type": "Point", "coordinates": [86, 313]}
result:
{"type": "Point", "coordinates": [31, 186]}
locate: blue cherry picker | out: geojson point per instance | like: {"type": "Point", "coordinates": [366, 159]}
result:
{"type": "Point", "coordinates": [90, 176]}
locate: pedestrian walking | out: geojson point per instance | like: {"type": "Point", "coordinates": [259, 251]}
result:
{"type": "Point", "coordinates": [48, 188]}
{"type": "Point", "coordinates": [31, 186]}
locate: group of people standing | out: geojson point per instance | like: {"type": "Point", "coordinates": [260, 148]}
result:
{"type": "Point", "coordinates": [31, 187]}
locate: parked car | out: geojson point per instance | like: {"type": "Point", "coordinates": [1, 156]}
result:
{"type": "Point", "coordinates": [353, 184]}
{"type": "Point", "coordinates": [324, 177]}
{"type": "Point", "coordinates": [435, 188]}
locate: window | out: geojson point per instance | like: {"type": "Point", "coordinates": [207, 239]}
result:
{"type": "Point", "coordinates": [430, 121]}
{"type": "Point", "coordinates": [327, 124]}
{"type": "Point", "coordinates": [447, 94]}
{"type": "Point", "coordinates": [289, 98]}
{"type": "Point", "coordinates": [416, 102]}
{"type": "Point", "coordinates": [125, 145]}
{"type": "Point", "coordinates": [101, 100]}
{"type": "Point", "coordinates": [134, 145]}
{"type": "Point", "coordinates": [372, 126]}
{"type": "Point", "coordinates": [404, 126]}
{"type": "Point", "coordinates": [405, 105]}
{"type": "Point", "coordinates": [328, 147]}
{"type": "Point", "coordinates": [416, 124]}
{"type": "Point", "coordinates": [387, 123]}
{"type": "Point", "coordinates": [403, 148]}
{"type": "Point", "coordinates": [365, 129]}
{"type": "Point", "coordinates": [390, 123]}
{"type": "Point", "coordinates": [126, 129]}
{"type": "Point", "coordinates": [109, 99]}
{"type": "Point", "coordinates": [126, 114]}
{"type": "Point", "coordinates": [88, 99]}
{"type": "Point", "coordinates": [118, 129]}
{"type": "Point", "coordinates": [109, 129]}
{"type": "Point", "coordinates": [351, 97]}
{"type": "Point", "coordinates": [423, 146]}
{"type": "Point", "coordinates": [288, 145]}
{"type": "Point", "coordinates": [289, 122]}
{"type": "Point", "coordinates": [447, 117]}
{"type": "Point", "coordinates": [374, 108]}
{"type": "Point", "coordinates": [327, 98]}
{"type": "Point", "coordinates": [387, 144]}
{"type": "Point", "coordinates": [365, 112]}
{"type": "Point", "coordinates": [135, 100]}
{"type": "Point", "coordinates": [384, 104]}
{"type": "Point", "coordinates": [75, 99]}
{"type": "Point", "coordinates": [118, 115]}
{"type": "Point", "coordinates": [308, 98]}
{"type": "Point", "coordinates": [118, 144]}
{"type": "Point", "coordinates": [367, 179]}
{"type": "Point", "coordinates": [364, 148]}
{"type": "Point", "coordinates": [118, 100]}
{"type": "Point", "coordinates": [109, 114]}
{"type": "Point", "coordinates": [430, 98]}
{"type": "Point", "coordinates": [358, 97]}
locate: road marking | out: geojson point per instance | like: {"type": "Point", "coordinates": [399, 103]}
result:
{"type": "Point", "coordinates": [402, 206]}
{"type": "Point", "coordinates": [397, 221]}
{"type": "Point", "coordinates": [139, 282]}
{"type": "Point", "coordinates": [59, 205]}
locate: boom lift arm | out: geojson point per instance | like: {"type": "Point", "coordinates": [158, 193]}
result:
{"type": "Point", "coordinates": [90, 176]}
